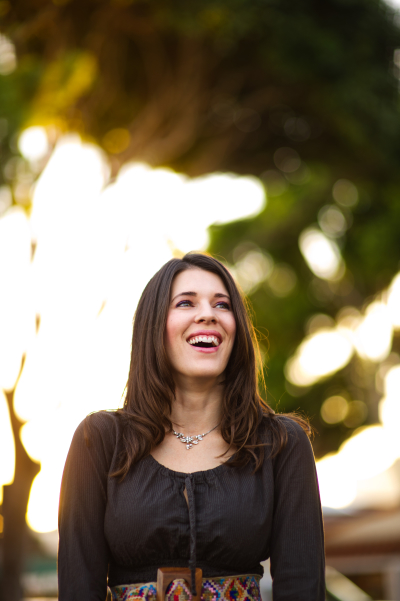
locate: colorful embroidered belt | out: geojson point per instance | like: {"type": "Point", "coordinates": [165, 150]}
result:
{"type": "Point", "coordinates": [230, 588]}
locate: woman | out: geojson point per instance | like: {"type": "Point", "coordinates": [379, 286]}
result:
{"type": "Point", "coordinates": [241, 488]}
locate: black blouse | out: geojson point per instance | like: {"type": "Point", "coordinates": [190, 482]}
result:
{"type": "Point", "coordinates": [127, 530]}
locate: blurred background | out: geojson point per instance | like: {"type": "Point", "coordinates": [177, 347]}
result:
{"type": "Point", "coordinates": [266, 132]}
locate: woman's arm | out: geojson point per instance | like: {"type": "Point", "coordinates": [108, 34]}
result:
{"type": "Point", "coordinates": [83, 551]}
{"type": "Point", "coordinates": [297, 542]}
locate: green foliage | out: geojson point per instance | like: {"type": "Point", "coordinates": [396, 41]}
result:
{"type": "Point", "coordinates": [183, 72]}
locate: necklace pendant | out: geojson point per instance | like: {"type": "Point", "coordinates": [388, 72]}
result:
{"type": "Point", "coordinates": [189, 441]}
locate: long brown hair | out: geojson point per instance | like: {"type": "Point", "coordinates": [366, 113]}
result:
{"type": "Point", "coordinates": [150, 389]}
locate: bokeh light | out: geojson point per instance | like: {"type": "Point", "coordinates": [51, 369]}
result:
{"type": "Point", "coordinates": [287, 159]}
{"type": "Point", "coordinates": [373, 337]}
{"type": "Point", "coordinates": [33, 143]}
{"type": "Point", "coordinates": [116, 140]}
{"type": "Point", "coordinates": [332, 221]}
{"type": "Point", "coordinates": [8, 59]}
{"type": "Point", "coordinates": [319, 321]}
{"type": "Point", "coordinates": [282, 280]}
{"type": "Point", "coordinates": [252, 269]}
{"type": "Point", "coordinates": [319, 355]}
{"type": "Point", "coordinates": [345, 193]}
{"type": "Point", "coordinates": [353, 473]}
{"type": "Point", "coordinates": [329, 346]}
{"type": "Point", "coordinates": [337, 485]}
{"type": "Point", "coordinates": [321, 254]}
{"type": "Point", "coordinates": [334, 409]}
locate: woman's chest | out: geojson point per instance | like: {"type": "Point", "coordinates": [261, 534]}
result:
{"type": "Point", "coordinates": [147, 515]}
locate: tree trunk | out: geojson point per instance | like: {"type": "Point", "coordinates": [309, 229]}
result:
{"type": "Point", "coordinates": [15, 501]}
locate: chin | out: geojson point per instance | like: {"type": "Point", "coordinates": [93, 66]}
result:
{"type": "Point", "coordinates": [202, 372]}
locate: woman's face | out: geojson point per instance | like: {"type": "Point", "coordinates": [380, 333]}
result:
{"type": "Point", "coordinates": [200, 330]}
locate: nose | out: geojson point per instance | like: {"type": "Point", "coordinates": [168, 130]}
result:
{"type": "Point", "coordinates": [206, 314]}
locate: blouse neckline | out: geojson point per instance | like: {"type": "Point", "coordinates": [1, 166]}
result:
{"type": "Point", "coordinates": [182, 475]}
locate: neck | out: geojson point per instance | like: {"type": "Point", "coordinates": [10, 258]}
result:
{"type": "Point", "coordinates": [197, 409]}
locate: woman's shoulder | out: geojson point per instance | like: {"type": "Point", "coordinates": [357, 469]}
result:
{"type": "Point", "coordinates": [287, 432]}
{"type": "Point", "coordinates": [98, 429]}
{"type": "Point", "coordinates": [93, 445]}
{"type": "Point", "coordinates": [294, 425]}
{"type": "Point", "coordinates": [102, 420]}
{"type": "Point", "coordinates": [289, 423]}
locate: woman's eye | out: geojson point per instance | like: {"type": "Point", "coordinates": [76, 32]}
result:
{"type": "Point", "coordinates": [184, 303]}
{"type": "Point", "coordinates": [223, 305]}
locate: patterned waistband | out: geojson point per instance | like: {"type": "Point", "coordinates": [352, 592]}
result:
{"type": "Point", "coordinates": [230, 588]}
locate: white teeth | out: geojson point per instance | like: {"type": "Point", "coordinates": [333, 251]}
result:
{"type": "Point", "coordinates": [209, 339]}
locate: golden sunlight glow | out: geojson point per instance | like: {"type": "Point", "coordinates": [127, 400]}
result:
{"type": "Point", "coordinates": [227, 197]}
{"type": "Point", "coordinates": [321, 254]}
{"type": "Point", "coordinates": [356, 470]}
{"type": "Point", "coordinates": [327, 350]}
{"type": "Point", "coordinates": [356, 460]}
{"type": "Point", "coordinates": [373, 337]}
{"type": "Point", "coordinates": [97, 245]}
{"type": "Point", "coordinates": [185, 208]}
{"type": "Point", "coordinates": [33, 143]}
{"type": "Point", "coordinates": [356, 474]}
{"type": "Point", "coordinates": [360, 452]}
{"type": "Point", "coordinates": [17, 318]}
{"type": "Point", "coordinates": [7, 446]}
{"type": "Point", "coordinates": [42, 513]}
{"type": "Point", "coordinates": [389, 406]}
{"type": "Point", "coordinates": [319, 355]}
{"type": "Point", "coordinates": [337, 486]}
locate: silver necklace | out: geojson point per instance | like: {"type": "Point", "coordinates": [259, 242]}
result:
{"type": "Point", "coordinates": [189, 441]}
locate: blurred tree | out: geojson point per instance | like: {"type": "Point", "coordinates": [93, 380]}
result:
{"type": "Point", "coordinates": [15, 501]}
{"type": "Point", "coordinates": [301, 94]}
{"type": "Point", "coordinates": [214, 85]}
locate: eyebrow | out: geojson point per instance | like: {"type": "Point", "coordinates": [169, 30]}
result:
{"type": "Point", "coordinates": [217, 295]}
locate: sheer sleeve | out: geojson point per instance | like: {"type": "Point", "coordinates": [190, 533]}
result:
{"type": "Point", "coordinates": [297, 541]}
{"type": "Point", "coordinates": [83, 551]}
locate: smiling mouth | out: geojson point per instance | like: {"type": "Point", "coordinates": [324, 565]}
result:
{"type": "Point", "coordinates": [204, 341]}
